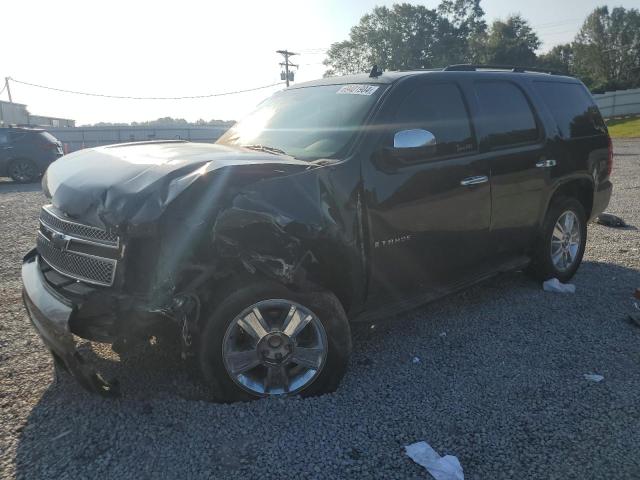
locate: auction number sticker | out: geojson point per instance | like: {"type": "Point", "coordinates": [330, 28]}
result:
{"type": "Point", "coordinates": [357, 89]}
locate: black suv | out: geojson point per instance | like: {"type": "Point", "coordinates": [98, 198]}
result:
{"type": "Point", "coordinates": [339, 200]}
{"type": "Point", "coordinates": [25, 153]}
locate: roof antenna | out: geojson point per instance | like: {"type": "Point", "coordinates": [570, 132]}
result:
{"type": "Point", "coordinates": [375, 72]}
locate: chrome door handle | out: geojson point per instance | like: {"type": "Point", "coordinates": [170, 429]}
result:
{"type": "Point", "coordinates": [546, 163]}
{"type": "Point", "coordinates": [474, 180]}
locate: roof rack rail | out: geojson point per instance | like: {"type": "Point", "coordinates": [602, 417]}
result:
{"type": "Point", "coordinates": [470, 67]}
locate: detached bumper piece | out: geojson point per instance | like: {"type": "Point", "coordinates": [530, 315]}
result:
{"type": "Point", "coordinates": [50, 316]}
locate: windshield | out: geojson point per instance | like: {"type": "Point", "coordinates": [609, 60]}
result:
{"type": "Point", "coordinates": [306, 123]}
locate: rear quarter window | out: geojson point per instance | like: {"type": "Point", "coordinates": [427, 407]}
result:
{"type": "Point", "coordinates": [572, 108]}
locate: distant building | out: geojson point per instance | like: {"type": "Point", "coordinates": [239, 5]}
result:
{"type": "Point", "coordinates": [53, 122]}
{"type": "Point", "coordinates": [17, 114]}
{"type": "Point", "coordinates": [13, 114]}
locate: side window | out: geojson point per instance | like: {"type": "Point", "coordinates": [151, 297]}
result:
{"type": "Point", "coordinates": [4, 138]}
{"type": "Point", "coordinates": [505, 114]}
{"type": "Point", "coordinates": [572, 108]}
{"type": "Point", "coordinates": [438, 108]}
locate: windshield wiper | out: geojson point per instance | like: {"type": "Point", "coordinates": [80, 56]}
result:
{"type": "Point", "coordinates": [266, 148]}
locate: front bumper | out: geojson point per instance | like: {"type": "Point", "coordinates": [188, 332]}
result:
{"type": "Point", "coordinates": [51, 315]}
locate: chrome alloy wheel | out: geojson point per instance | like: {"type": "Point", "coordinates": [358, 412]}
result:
{"type": "Point", "coordinates": [274, 347]}
{"type": "Point", "coordinates": [565, 241]}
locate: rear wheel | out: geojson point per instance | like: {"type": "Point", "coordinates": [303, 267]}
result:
{"type": "Point", "coordinates": [266, 340]}
{"type": "Point", "coordinates": [23, 170]}
{"type": "Point", "coordinates": [559, 248]}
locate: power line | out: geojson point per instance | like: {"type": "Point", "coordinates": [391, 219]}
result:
{"type": "Point", "coordinates": [127, 97]}
{"type": "Point", "coordinates": [556, 23]}
{"type": "Point", "coordinates": [314, 50]}
{"type": "Point", "coordinates": [550, 34]}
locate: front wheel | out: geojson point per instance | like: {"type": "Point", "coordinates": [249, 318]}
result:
{"type": "Point", "coordinates": [560, 246]}
{"type": "Point", "coordinates": [23, 170]}
{"type": "Point", "coordinates": [266, 340]}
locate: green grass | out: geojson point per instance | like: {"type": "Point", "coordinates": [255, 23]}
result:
{"type": "Point", "coordinates": [624, 128]}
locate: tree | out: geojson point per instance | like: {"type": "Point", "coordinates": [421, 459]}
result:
{"type": "Point", "coordinates": [509, 42]}
{"type": "Point", "coordinates": [607, 49]}
{"type": "Point", "coordinates": [559, 58]}
{"type": "Point", "coordinates": [167, 122]}
{"type": "Point", "coordinates": [605, 54]}
{"type": "Point", "coordinates": [466, 18]}
{"type": "Point", "coordinates": [346, 57]}
{"type": "Point", "coordinates": [408, 37]}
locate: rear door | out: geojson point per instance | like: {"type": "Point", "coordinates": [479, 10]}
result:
{"type": "Point", "coordinates": [512, 135]}
{"type": "Point", "coordinates": [581, 144]}
{"type": "Point", "coordinates": [428, 216]}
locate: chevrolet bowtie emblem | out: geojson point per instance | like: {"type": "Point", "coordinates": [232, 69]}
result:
{"type": "Point", "coordinates": [60, 241]}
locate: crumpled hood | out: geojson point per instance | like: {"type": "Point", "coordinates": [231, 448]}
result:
{"type": "Point", "coordinates": [133, 183]}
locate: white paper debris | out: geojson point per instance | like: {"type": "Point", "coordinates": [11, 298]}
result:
{"type": "Point", "coordinates": [593, 377]}
{"type": "Point", "coordinates": [554, 285]}
{"type": "Point", "coordinates": [441, 468]}
{"type": "Point", "coordinates": [415, 360]}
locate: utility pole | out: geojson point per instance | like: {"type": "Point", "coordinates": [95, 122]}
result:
{"type": "Point", "coordinates": [6, 85]}
{"type": "Point", "coordinates": [286, 54]}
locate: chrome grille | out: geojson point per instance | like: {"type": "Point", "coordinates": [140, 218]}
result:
{"type": "Point", "coordinates": [87, 232]}
{"type": "Point", "coordinates": [89, 268]}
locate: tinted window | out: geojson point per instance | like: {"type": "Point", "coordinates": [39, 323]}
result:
{"type": "Point", "coordinates": [572, 107]}
{"type": "Point", "coordinates": [440, 109]}
{"type": "Point", "coordinates": [16, 136]}
{"type": "Point", "coordinates": [505, 114]}
{"type": "Point", "coordinates": [4, 137]}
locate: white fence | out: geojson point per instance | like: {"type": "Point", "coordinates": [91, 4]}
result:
{"type": "Point", "coordinates": [619, 103]}
{"type": "Point", "coordinates": [83, 137]}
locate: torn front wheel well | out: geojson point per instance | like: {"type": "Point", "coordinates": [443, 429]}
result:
{"type": "Point", "coordinates": [217, 290]}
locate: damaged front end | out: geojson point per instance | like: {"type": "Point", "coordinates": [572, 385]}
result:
{"type": "Point", "coordinates": [138, 238]}
{"type": "Point", "coordinates": [50, 315]}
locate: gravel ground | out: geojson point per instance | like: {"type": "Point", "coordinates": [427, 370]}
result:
{"type": "Point", "coordinates": [499, 384]}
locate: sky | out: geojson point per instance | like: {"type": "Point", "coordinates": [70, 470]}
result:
{"type": "Point", "coordinates": [161, 48]}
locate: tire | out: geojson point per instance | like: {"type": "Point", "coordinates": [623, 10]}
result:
{"type": "Point", "coordinates": [223, 331]}
{"type": "Point", "coordinates": [23, 170]}
{"type": "Point", "coordinates": [545, 264]}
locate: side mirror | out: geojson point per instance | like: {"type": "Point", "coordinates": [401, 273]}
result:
{"type": "Point", "coordinates": [416, 138]}
{"type": "Point", "coordinates": [411, 145]}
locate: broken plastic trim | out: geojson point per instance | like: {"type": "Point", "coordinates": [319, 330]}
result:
{"type": "Point", "coordinates": [50, 316]}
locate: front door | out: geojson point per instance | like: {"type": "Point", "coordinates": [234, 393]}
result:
{"type": "Point", "coordinates": [429, 215]}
